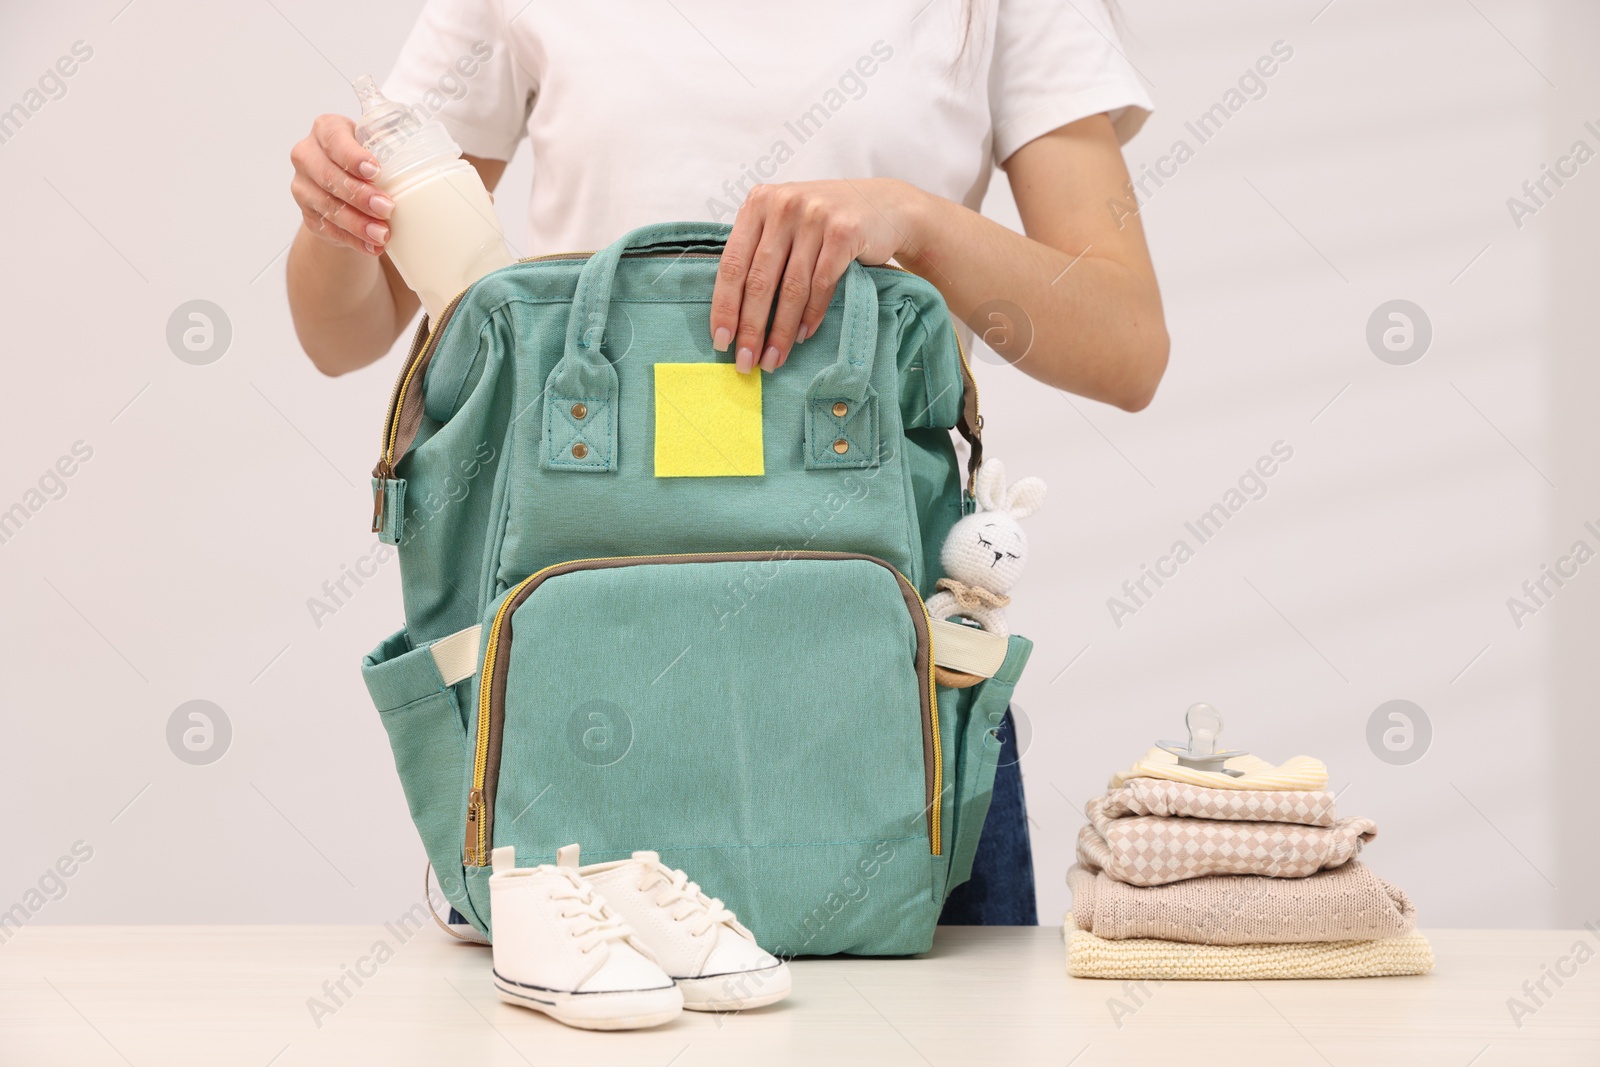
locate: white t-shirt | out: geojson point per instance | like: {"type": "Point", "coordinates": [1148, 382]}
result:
{"type": "Point", "coordinates": [645, 111]}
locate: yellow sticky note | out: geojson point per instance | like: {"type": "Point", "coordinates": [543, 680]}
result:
{"type": "Point", "coordinates": [708, 421]}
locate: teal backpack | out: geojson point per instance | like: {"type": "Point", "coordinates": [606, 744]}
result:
{"type": "Point", "coordinates": [652, 603]}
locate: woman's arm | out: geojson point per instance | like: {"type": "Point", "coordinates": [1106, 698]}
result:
{"type": "Point", "coordinates": [1082, 275]}
{"type": "Point", "coordinates": [347, 300]}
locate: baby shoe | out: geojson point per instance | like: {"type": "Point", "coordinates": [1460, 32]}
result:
{"type": "Point", "coordinates": [558, 949]}
{"type": "Point", "coordinates": [696, 939]}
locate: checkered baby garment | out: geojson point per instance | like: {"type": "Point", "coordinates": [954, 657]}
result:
{"type": "Point", "coordinates": [1150, 850]}
{"type": "Point", "coordinates": [1157, 796]}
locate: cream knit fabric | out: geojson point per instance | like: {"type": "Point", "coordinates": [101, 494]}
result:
{"type": "Point", "coordinates": [1159, 796]}
{"type": "Point", "coordinates": [1301, 772]}
{"type": "Point", "coordinates": [1348, 903]}
{"type": "Point", "coordinates": [1089, 956]}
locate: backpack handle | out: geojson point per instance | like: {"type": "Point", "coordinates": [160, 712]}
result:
{"type": "Point", "coordinates": [841, 425]}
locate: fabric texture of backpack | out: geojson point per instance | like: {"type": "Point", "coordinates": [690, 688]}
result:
{"type": "Point", "coordinates": [652, 603]}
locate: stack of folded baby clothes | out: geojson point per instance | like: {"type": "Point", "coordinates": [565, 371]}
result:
{"type": "Point", "coordinates": [1184, 873]}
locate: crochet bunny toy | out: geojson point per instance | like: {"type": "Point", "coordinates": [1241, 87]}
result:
{"type": "Point", "coordinates": [985, 551]}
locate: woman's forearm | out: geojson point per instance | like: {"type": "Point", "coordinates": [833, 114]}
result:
{"type": "Point", "coordinates": [344, 304]}
{"type": "Point", "coordinates": [1091, 324]}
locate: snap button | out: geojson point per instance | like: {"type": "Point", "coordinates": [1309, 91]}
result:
{"type": "Point", "coordinates": [579, 411]}
{"type": "Point", "coordinates": [841, 446]}
{"type": "Point", "coordinates": [840, 408]}
{"type": "Point", "coordinates": [580, 450]}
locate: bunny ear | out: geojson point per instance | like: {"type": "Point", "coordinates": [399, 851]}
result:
{"type": "Point", "coordinates": [991, 487]}
{"type": "Point", "coordinates": [1024, 498]}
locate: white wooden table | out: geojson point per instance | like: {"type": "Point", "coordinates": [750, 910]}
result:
{"type": "Point", "coordinates": [241, 997]}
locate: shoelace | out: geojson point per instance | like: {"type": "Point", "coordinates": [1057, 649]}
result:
{"type": "Point", "coordinates": [691, 899]}
{"type": "Point", "coordinates": [590, 920]}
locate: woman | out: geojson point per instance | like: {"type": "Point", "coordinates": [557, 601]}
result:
{"type": "Point", "coordinates": [829, 131]}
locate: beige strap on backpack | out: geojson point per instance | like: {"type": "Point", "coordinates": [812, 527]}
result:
{"type": "Point", "coordinates": [965, 655]}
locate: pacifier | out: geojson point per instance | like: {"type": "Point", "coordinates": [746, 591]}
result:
{"type": "Point", "coordinates": [1201, 753]}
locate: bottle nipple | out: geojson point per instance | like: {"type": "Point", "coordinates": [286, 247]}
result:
{"type": "Point", "coordinates": [385, 125]}
{"type": "Point", "coordinates": [368, 94]}
{"type": "Point", "coordinates": [402, 137]}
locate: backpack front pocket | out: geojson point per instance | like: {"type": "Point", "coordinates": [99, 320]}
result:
{"type": "Point", "coordinates": [766, 722]}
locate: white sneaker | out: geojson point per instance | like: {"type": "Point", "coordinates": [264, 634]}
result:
{"type": "Point", "coordinates": [697, 940]}
{"type": "Point", "coordinates": [558, 949]}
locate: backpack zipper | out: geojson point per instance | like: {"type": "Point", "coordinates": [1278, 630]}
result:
{"type": "Point", "coordinates": [423, 342]}
{"type": "Point", "coordinates": [480, 800]}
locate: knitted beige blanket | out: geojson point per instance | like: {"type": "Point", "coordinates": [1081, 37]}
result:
{"type": "Point", "coordinates": [1151, 850]}
{"type": "Point", "coordinates": [1348, 903]}
{"type": "Point", "coordinates": [1148, 959]}
{"type": "Point", "coordinates": [1158, 796]}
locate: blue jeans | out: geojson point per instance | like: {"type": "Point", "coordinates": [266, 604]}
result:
{"type": "Point", "coordinates": [1000, 891]}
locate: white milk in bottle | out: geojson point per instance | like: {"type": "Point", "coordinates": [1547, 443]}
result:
{"type": "Point", "coordinates": [443, 234]}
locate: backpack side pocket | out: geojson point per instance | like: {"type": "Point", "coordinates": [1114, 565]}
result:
{"type": "Point", "coordinates": [422, 715]}
{"type": "Point", "coordinates": [978, 715]}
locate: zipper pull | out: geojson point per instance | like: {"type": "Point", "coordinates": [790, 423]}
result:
{"type": "Point", "coordinates": [380, 477]}
{"type": "Point", "coordinates": [474, 818]}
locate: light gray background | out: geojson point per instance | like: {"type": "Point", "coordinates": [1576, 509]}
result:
{"type": "Point", "coordinates": [1377, 166]}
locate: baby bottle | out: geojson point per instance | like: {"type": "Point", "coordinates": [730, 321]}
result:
{"type": "Point", "coordinates": [443, 234]}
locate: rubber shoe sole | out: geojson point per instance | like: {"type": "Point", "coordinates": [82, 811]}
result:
{"type": "Point", "coordinates": [627, 1009]}
{"type": "Point", "coordinates": [736, 991]}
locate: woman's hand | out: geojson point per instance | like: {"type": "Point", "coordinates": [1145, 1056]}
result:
{"type": "Point", "coordinates": [1079, 279]}
{"type": "Point", "coordinates": [332, 183]}
{"type": "Point", "coordinates": [792, 242]}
